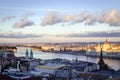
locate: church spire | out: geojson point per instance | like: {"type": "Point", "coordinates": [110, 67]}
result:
{"type": "Point", "coordinates": [31, 54]}
{"type": "Point", "coordinates": [101, 56]}
{"type": "Point", "coordinates": [27, 54]}
{"type": "Point", "coordinates": [101, 62]}
{"type": "Point", "coordinates": [106, 41]}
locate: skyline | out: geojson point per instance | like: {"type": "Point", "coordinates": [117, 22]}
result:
{"type": "Point", "coordinates": [31, 21]}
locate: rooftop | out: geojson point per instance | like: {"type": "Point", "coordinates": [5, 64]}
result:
{"type": "Point", "coordinates": [51, 66]}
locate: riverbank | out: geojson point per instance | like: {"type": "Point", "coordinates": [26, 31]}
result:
{"type": "Point", "coordinates": [105, 56]}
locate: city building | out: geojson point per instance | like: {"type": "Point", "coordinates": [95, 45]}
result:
{"type": "Point", "coordinates": [7, 54]}
{"type": "Point", "coordinates": [49, 68]}
{"type": "Point", "coordinates": [31, 54]}
{"type": "Point", "coordinates": [107, 47]}
{"type": "Point", "coordinates": [101, 62]}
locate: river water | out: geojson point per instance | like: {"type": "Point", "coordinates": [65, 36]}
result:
{"type": "Point", "coordinates": [115, 64]}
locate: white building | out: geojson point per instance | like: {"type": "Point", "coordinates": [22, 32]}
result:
{"type": "Point", "coordinates": [49, 68]}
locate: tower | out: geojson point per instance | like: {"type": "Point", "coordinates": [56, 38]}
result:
{"type": "Point", "coordinates": [64, 49]}
{"type": "Point", "coordinates": [18, 65]}
{"type": "Point", "coordinates": [101, 62]}
{"type": "Point", "coordinates": [27, 54]}
{"type": "Point", "coordinates": [98, 47]}
{"type": "Point", "coordinates": [60, 49]}
{"type": "Point", "coordinates": [106, 41]}
{"type": "Point", "coordinates": [31, 54]}
{"type": "Point", "coordinates": [106, 46]}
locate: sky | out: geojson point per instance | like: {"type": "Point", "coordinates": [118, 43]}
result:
{"type": "Point", "coordinates": [39, 21]}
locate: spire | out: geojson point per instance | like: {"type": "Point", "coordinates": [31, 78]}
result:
{"type": "Point", "coordinates": [31, 54]}
{"type": "Point", "coordinates": [64, 49]}
{"type": "Point", "coordinates": [101, 62]}
{"type": "Point", "coordinates": [60, 49]}
{"type": "Point", "coordinates": [27, 53]}
{"type": "Point", "coordinates": [101, 55]}
{"type": "Point", "coordinates": [106, 41]}
{"type": "Point", "coordinates": [18, 65]}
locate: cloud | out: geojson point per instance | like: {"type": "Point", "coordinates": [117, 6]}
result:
{"type": "Point", "coordinates": [86, 17]}
{"type": "Point", "coordinates": [7, 18]}
{"type": "Point", "coordinates": [18, 35]}
{"type": "Point", "coordinates": [68, 18]}
{"type": "Point", "coordinates": [94, 34]}
{"type": "Point", "coordinates": [102, 17]}
{"type": "Point", "coordinates": [51, 18]}
{"type": "Point", "coordinates": [112, 18]}
{"type": "Point", "coordinates": [55, 17]}
{"type": "Point", "coordinates": [24, 22]}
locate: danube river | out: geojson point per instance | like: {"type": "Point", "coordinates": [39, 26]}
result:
{"type": "Point", "coordinates": [115, 64]}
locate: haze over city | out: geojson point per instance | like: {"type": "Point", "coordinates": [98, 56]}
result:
{"type": "Point", "coordinates": [31, 21]}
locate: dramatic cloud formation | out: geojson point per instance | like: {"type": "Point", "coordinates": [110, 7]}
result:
{"type": "Point", "coordinates": [112, 18]}
{"type": "Point", "coordinates": [86, 17]}
{"type": "Point", "coordinates": [18, 35]}
{"type": "Point", "coordinates": [24, 22]}
{"type": "Point", "coordinates": [7, 18]}
{"type": "Point", "coordinates": [51, 18]}
{"type": "Point", "coordinates": [94, 34]}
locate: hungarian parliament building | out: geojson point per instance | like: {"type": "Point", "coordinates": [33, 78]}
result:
{"type": "Point", "coordinates": [107, 49]}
